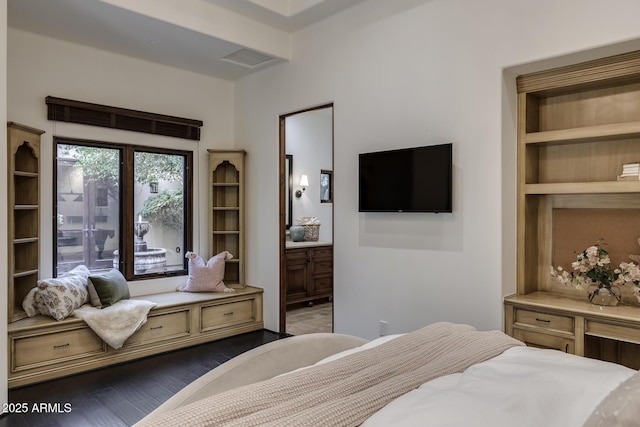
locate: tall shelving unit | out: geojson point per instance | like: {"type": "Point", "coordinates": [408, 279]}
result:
{"type": "Point", "coordinates": [226, 211]}
{"type": "Point", "coordinates": [577, 126]}
{"type": "Point", "coordinates": [23, 166]}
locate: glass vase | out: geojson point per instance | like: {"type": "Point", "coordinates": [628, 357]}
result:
{"type": "Point", "coordinates": [600, 295]}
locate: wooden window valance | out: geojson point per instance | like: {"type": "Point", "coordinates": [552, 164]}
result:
{"type": "Point", "coordinates": [67, 110]}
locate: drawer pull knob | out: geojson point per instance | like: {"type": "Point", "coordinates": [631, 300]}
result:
{"type": "Point", "coordinates": [542, 320]}
{"type": "Point", "coordinates": [155, 327]}
{"type": "Point", "coordinates": [57, 347]}
{"type": "Point", "coordinates": [229, 313]}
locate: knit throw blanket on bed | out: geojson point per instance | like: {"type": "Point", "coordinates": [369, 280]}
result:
{"type": "Point", "coordinates": [347, 391]}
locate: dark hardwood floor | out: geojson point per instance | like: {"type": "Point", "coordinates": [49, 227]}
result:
{"type": "Point", "coordinates": [121, 395]}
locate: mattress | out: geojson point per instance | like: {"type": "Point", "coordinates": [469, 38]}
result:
{"type": "Point", "coordinates": [523, 386]}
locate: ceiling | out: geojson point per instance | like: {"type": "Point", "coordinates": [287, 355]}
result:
{"type": "Point", "coordinates": [162, 31]}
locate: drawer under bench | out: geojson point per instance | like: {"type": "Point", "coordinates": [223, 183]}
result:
{"type": "Point", "coordinates": [41, 348]}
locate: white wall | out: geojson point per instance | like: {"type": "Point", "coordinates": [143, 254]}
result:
{"type": "Point", "coordinates": [416, 72]}
{"type": "Point", "coordinates": [40, 66]}
{"type": "Point", "coordinates": [405, 74]}
{"type": "Point", "coordinates": [309, 139]}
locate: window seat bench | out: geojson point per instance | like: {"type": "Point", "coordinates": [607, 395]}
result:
{"type": "Point", "coordinates": [41, 348]}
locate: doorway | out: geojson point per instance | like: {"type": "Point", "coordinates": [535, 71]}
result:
{"type": "Point", "coordinates": [306, 199]}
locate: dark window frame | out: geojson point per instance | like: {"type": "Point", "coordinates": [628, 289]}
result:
{"type": "Point", "coordinates": [126, 195]}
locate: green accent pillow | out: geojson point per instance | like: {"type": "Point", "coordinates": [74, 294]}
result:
{"type": "Point", "coordinates": [107, 288]}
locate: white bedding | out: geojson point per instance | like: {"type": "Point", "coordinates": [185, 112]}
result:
{"type": "Point", "coordinates": [524, 386]}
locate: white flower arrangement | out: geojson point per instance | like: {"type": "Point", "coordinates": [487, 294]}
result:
{"type": "Point", "coordinates": [593, 268]}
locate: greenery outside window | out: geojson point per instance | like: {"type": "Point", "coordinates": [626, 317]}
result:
{"type": "Point", "coordinates": [122, 206]}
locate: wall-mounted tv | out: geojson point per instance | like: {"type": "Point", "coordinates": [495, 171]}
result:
{"type": "Point", "coordinates": [418, 179]}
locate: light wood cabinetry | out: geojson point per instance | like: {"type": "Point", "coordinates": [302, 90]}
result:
{"type": "Point", "coordinates": [220, 315]}
{"type": "Point", "coordinates": [546, 320]}
{"type": "Point", "coordinates": [41, 348]}
{"type": "Point", "coordinates": [23, 165]}
{"type": "Point", "coordinates": [577, 126]}
{"type": "Point", "coordinates": [308, 273]}
{"type": "Point", "coordinates": [163, 325]}
{"type": "Point", "coordinates": [226, 211]}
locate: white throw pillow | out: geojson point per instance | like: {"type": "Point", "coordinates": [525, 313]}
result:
{"type": "Point", "coordinates": [206, 277]}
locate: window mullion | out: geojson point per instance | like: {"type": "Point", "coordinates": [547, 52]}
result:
{"type": "Point", "coordinates": [127, 173]}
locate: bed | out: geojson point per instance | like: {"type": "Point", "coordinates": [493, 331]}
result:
{"type": "Point", "coordinates": [441, 375]}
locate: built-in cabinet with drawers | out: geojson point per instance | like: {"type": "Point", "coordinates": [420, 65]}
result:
{"type": "Point", "coordinates": [308, 272]}
{"type": "Point", "coordinates": [23, 165]}
{"type": "Point", "coordinates": [41, 348]}
{"type": "Point", "coordinates": [577, 126]}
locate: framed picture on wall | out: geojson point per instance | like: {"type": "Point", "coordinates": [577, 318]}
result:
{"type": "Point", "coordinates": [326, 186]}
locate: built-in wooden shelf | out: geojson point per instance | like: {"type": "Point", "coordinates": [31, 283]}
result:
{"type": "Point", "coordinates": [586, 133]}
{"type": "Point", "coordinates": [23, 195]}
{"type": "Point", "coordinates": [22, 273]}
{"type": "Point", "coordinates": [25, 240]}
{"type": "Point", "coordinates": [26, 174]}
{"type": "Point", "coordinates": [607, 187]}
{"type": "Point", "coordinates": [577, 126]}
{"type": "Point", "coordinates": [226, 211]}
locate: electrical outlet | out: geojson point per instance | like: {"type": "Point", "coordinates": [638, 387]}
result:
{"type": "Point", "coordinates": [383, 326]}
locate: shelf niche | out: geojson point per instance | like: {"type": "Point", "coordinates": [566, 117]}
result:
{"type": "Point", "coordinates": [576, 229]}
{"type": "Point", "coordinates": [23, 143]}
{"type": "Point", "coordinates": [226, 211]}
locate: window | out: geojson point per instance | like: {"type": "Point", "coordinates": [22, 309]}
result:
{"type": "Point", "coordinates": [122, 206]}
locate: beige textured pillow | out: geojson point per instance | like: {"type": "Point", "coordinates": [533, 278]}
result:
{"type": "Point", "coordinates": [61, 295]}
{"type": "Point", "coordinates": [206, 277]}
{"type": "Point", "coordinates": [621, 408]}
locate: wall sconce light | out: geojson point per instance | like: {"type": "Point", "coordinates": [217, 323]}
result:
{"type": "Point", "coordinates": [304, 182]}
{"type": "Point", "coordinates": [153, 187]}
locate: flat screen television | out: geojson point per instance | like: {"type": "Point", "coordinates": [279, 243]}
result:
{"type": "Point", "coordinates": [416, 179]}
